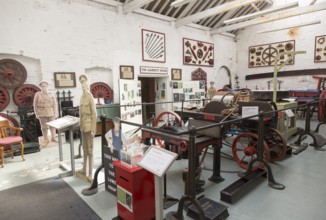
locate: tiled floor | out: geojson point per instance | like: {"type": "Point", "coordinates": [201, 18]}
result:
{"type": "Point", "coordinates": [303, 175]}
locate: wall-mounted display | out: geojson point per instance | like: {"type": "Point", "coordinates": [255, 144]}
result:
{"type": "Point", "coordinates": [176, 74]}
{"type": "Point", "coordinates": [265, 55]}
{"type": "Point", "coordinates": [198, 53]}
{"type": "Point", "coordinates": [126, 72]}
{"type": "Point", "coordinates": [153, 46]}
{"type": "Point", "coordinates": [201, 76]}
{"type": "Point", "coordinates": [130, 100]}
{"type": "Point", "coordinates": [191, 92]}
{"type": "Point", "coordinates": [320, 49]}
{"type": "Point", "coordinates": [64, 79]}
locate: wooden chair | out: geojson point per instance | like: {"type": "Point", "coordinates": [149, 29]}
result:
{"type": "Point", "coordinates": [9, 135]}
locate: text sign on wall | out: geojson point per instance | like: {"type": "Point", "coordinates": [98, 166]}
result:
{"type": "Point", "coordinates": [153, 70]}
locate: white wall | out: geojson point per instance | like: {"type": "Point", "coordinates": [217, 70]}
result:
{"type": "Point", "coordinates": [304, 41]}
{"type": "Point", "coordinates": [81, 36]}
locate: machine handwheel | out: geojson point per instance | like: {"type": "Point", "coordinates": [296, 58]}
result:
{"type": "Point", "coordinates": [244, 150]}
{"type": "Point", "coordinates": [276, 144]}
{"type": "Point", "coordinates": [4, 98]}
{"type": "Point", "coordinates": [24, 95]}
{"type": "Point", "coordinates": [12, 73]}
{"type": "Point", "coordinates": [168, 117]}
{"type": "Point", "coordinates": [102, 90]}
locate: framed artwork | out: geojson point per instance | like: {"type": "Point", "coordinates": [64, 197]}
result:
{"type": "Point", "coordinates": [320, 49]}
{"type": "Point", "coordinates": [265, 55]}
{"type": "Point", "coordinates": [126, 72]}
{"type": "Point", "coordinates": [153, 46]}
{"type": "Point", "coordinates": [176, 74]}
{"type": "Point", "coordinates": [198, 53]}
{"type": "Point", "coordinates": [64, 79]}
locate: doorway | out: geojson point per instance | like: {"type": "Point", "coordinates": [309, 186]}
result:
{"type": "Point", "coordinates": [147, 96]}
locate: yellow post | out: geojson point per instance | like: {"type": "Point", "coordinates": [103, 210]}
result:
{"type": "Point", "coordinates": [276, 68]}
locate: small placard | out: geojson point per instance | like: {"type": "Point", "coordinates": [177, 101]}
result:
{"type": "Point", "coordinates": [124, 198]}
{"type": "Point", "coordinates": [248, 111]}
{"type": "Point", "coordinates": [157, 160]}
{"type": "Point", "coordinates": [289, 113]}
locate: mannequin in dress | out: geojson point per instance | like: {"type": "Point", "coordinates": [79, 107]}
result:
{"type": "Point", "coordinates": [87, 115]}
{"type": "Point", "coordinates": [116, 138]}
{"type": "Point", "coordinates": [45, 108]}
{"type": "Point", "coordinates": [211, 91]}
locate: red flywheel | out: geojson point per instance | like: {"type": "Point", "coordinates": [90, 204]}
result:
{"type": "Point", "coordinates": [102, 90]}
{"type": "Point", "coordinates": [24, 95]}
{"type": "Point", "coordinates": [12, 73]}
{"type": "Point", "coordinates": [4, 98]}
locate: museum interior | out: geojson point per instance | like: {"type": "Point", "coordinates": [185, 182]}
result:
{"type": "Point", "coordinates": [163, 109]}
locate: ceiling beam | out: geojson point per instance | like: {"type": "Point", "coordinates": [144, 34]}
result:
{"type": "Point", "coordinates": [136, 4]}
{"type": "Point", "coordinates": [272, 17]}
{"type": "Point", "coordinates": [153, 15]}
{"type": "Point", "coordinates": [108, 2]}
{"type": "Point", "coordinates": [257, 14]}
{"type": "Point", "coordinates": [179, 3]}
{"type": "Point", "coordinates": [255, 7]}
{"type": "Point", "coordinates": [289, 26]}
{"type": "Point", "coordinates": [213, 11]}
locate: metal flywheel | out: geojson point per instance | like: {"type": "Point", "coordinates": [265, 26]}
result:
{"type": "Point", "coordinates": [24, 95]}
{"type": "Point", "coordinates": [4, 98]}
{"type": "Point", "coordinates": [12, 73]}
{"type": "Point", "coordinates": [102, 90]}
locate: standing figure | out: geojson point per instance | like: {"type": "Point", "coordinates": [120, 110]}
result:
{"type": "Point", "coordinates": [211, 91]}
{"type": "Point", "coordinates": [87, 115]}
{"type": "Point", "coordinates": [45, 108]}
{"type": "Point", "coordinates": [116, 138]}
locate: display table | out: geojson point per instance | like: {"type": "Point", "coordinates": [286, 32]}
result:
{"type": "Point", "coordinates": [63, 124]}
{"type": "Point", "coordinates": [135, 192]}
{"type": "Point", "coordinates": [281, 123]}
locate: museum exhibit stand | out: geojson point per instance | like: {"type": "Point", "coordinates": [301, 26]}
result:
{"type": "Point", "coordinates": [63, 124]}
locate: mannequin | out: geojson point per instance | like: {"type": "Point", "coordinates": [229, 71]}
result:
{"type": "Point", "coordinates": [45, 108]}
{"type": "Point", "coordinates": [211, 91]}
{"type": "Point", "coordinates": [87, 115]}
{"type": "Point", "coordinates": [116, 138]}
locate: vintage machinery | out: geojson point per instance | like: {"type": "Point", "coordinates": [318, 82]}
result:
{"type": "Point", "coordinates": [244, 146]}
{"type": "Point", "coordinates": [311, 95]}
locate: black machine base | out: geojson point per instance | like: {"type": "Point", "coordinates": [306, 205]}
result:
{"type": "Point", "coordinates": [320, 140]}
{"type": "Point", "coordinates": [299, 148]}
{"type": "Point", "coordinates": [169, 201]}
{"type": "Point", "coordinates": [212, 210]}
{"type": "Point", "coordinates": [241, 187]}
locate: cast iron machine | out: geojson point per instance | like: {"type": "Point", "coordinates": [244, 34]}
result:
{"type": "Point", "coordinates": [171, 133]}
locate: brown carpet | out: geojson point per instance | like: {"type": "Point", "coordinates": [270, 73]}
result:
{"type": "Point", "coordinates": [48, 199]}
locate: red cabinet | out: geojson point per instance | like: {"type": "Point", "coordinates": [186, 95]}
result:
{"type": "Point", "coordinates": [135, 193]}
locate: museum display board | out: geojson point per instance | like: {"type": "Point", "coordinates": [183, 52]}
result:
{"type": "Point", "coordinates": [189, 91]}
